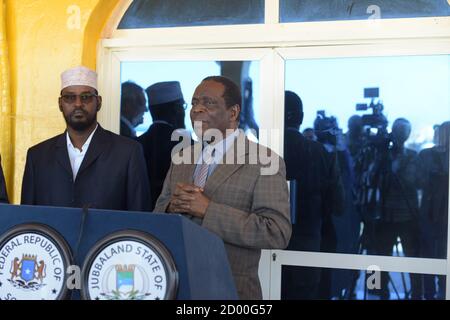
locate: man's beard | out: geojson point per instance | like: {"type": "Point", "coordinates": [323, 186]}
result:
{"type": "Point", "coordinates": [80, 125]}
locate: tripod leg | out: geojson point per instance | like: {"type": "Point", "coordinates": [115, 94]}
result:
{"type": "Point", "coordinates": [354, 279]}
{"type": "Point", "coordinates": [393, 286]}
{"type": "Point", "coordinates": [407, 292]}
{"type": "Point", "coordinates": [365, 285]}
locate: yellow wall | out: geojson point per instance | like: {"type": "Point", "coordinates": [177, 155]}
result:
{"type": "Point", "coordinates": [6, 115]}
{"type": "Point", "coordinates": [44, 39]}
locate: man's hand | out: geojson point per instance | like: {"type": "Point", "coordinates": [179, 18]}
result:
{"type": "Point", "coordinates": [189, 199]}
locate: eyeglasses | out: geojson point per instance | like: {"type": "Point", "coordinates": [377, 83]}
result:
{"type": "Point", "coordinates": [84, 97]}
{"type": "Point", "coordinates": [206, 102]}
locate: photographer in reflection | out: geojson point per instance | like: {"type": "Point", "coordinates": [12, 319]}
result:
{"type": "Point", "coordinates": [341, 231]}
{"type": "Point", "coordinates": [434, 175]}
{"type": "Point", "coordinates": [397, 168]}
{"type": "Point", "coordinates": [354, 137]}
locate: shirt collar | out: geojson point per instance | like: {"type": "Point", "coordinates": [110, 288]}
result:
{"type": "Point", "coordinates": [220, 148]}
{"type": "Point", "coordinates": [85, 145]}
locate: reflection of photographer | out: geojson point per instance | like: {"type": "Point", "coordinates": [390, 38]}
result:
{"type": "Point", "coordinates": [434, 163]}
{"type": "Point", "coordinates": [396, 170]}
{"type": "Point", "coordinates": [354, 138]}
{"type": "Point", "coordinates": [387, 187]}
{"type": "Point", "coordinates": [341, 231]}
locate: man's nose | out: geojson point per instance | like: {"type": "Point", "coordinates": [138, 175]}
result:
{"type": "Point", "coordinates": [78, 103]}
{"type": "Point", "coordinates": [198, 108]}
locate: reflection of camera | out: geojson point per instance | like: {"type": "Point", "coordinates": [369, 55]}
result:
{"type": "Point", "coordinates": [326, 128]}
{"type": "Point", "coordinates": [375, 124]}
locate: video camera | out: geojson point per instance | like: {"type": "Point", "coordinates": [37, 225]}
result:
{"type": "Point", "coordinates": [326, 128]}
{"type": "Point", "coordinates": [375, 124]}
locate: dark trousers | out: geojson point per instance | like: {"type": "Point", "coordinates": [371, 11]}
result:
{"type": "Point", "coordinates": [299, 283]}
{"type": "Point", "coordinates": [433, 245]}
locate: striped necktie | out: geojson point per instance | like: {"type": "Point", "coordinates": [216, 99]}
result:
{"type": "Point", "coordinates": [202, 172]}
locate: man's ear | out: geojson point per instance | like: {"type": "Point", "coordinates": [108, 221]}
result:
{"type": "Point", "coordinates": [59, 104]}
{"type": "Point", "coordinates": [235, 112]}
{"type": "Point", "coordinates": [99, 103]}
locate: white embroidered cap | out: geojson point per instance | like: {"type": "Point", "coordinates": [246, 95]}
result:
{"type": "Point", "coordinates": [79, 76]}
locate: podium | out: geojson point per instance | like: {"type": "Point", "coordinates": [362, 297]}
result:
{"type": "Point", "coordinates": [199, 268]}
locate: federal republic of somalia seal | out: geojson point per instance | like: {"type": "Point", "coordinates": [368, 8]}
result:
{"type": "Point", "coordinates": [33, 263]}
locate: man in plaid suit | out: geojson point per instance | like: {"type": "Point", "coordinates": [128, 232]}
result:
{"type": "Point", "coordinates": [231, 186]}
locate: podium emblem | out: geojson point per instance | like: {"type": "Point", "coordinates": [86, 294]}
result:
{"type": "Point", "coordinates": [129, 265]}
{"type": "Point", "coordinates": [125, 277]}
{"type": "Point", "coordinates": [33, 260]}
{"type": "Point", "coordinates": [28, 273]}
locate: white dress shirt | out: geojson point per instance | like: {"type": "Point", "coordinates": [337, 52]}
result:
{"type": "Point", "coordinates": [76, 156]}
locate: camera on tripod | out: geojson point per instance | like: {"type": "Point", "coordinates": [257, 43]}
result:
{"type": "Point", "coordinates": [375, 124]}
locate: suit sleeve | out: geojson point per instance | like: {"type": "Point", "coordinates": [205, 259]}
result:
{"type": "Point", "coordinates": [28, 192]}
{"type": "Point", "coordinates": [3, 193]}
{"type": "Point", "coordinates": [266, 226]}
{"type": "Point", "coordinates": [166, 193]}
{"type": "Point", "coordinates": [138, 187]}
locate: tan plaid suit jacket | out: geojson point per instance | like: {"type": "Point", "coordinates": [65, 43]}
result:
{"type": "Point", "coordinates": [248, 210]}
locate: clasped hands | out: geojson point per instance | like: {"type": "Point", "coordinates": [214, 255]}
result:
{"type": "Point", "coordinates": [188, 199]}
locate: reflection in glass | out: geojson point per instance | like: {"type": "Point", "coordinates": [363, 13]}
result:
{"type": "Point", "coordinates": [372, 167]}
{"type": "Point", "coordinates": [177, 13]}
{"type": "Point", "coordinates": [167, 89]}
{"type": "Point", "coordinates": [189, 74]}
{"type": "Point", "coordinates": [133, 106]}
{"type": "Point", "coordinates": [308, 283]}
{"type": "Point", "coordinates": [335, 10]}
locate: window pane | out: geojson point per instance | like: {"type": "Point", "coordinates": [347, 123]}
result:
{"type": "Point", "coordinates": [308, 283]}
{"type": "Point", "coordinates": [375, 180]}
{"type": "Point", "coordinates": [177, 13]}
{"type": "Point", "coordinates": [335, 10]}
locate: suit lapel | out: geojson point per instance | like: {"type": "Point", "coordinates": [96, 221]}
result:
{"type": "Point", "coordinates": [98, 145]}
{"type": "Point", "coordinates": [62, 155]}
{"type": "Point", "coordinates": [218, 177]}
{"type": "Point", "coordinates": [225, 170]}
